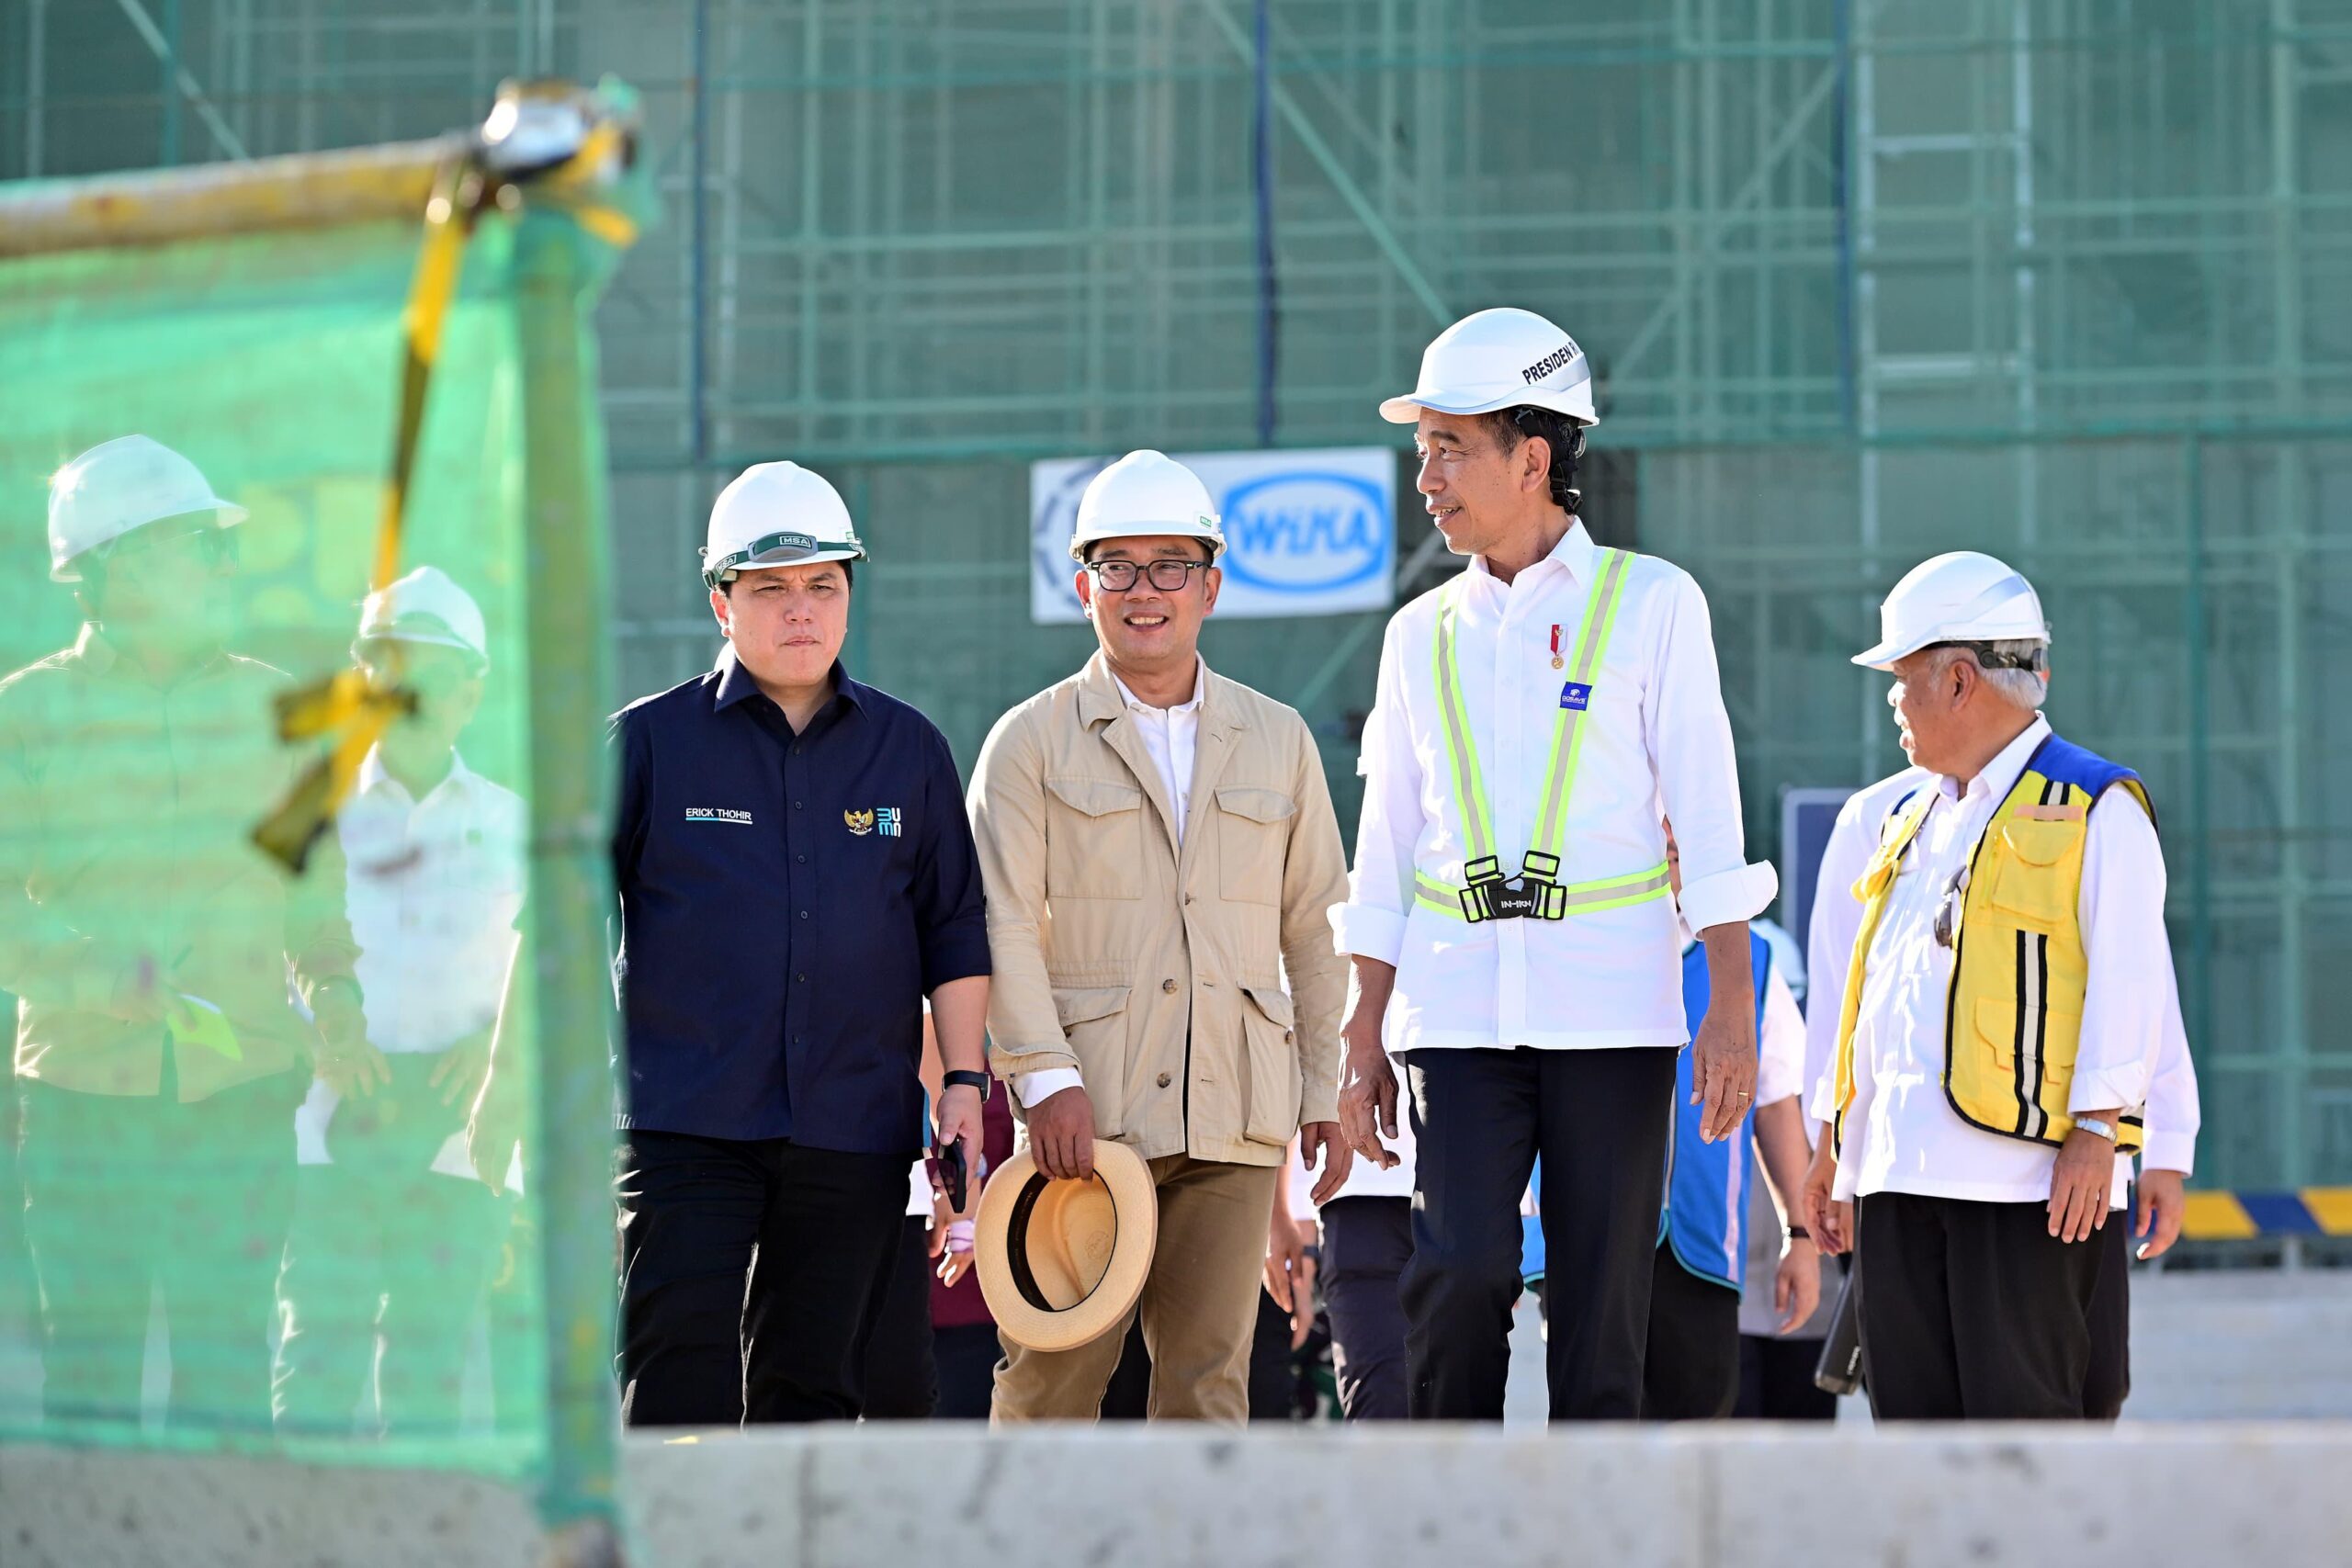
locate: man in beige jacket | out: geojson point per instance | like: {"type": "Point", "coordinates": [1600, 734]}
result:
{"type": "Point", "coordinates": [1158, 846]}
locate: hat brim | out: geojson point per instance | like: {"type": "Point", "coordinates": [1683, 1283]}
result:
{"type": "Point", "coordinates": [1884, 655]}
{"type": "Point", "coordinates": [1033, 1324]}
{"type": "Point", "coordinates": [1407, 410]}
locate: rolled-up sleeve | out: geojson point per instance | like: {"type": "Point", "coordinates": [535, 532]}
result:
{"type": "Point", "coordinates": [1371, 923]}
{"type": "Point", "coordinates": [950, 916]}
{"type": "Point", "coordinates": [1698, 775]}
{"type": "Point", "coordinates": [2129, 999]}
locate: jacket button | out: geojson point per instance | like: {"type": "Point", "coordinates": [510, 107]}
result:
{"type": "Point", "coordinates": [1165, 1079]}
{"type": "Point", "coordinates": [1168, 985]}
{"type": "Point", "coordinates": [1287, 1037]}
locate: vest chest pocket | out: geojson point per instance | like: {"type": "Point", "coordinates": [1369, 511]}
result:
{"type": "Point", "coordinates": [1276, 1086]}
{"type": "Point", "coordinates": [2036, 866]}
{"type": "Point", "coordinates": [1094, 837]}
{"type": "Point", "coordinates": [1252, 827]}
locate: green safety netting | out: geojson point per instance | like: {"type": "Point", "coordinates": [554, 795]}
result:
{"type": "Point", "coordinates": [248, 1214]}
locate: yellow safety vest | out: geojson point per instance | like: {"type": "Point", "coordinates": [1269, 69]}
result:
{"type": "Point", "coordinates": [1541, 895]}
{"type": "Point", "coordinates": [2013, 1018]}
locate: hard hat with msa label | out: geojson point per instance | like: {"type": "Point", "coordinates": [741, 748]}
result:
{"type": "Point", "coordinates": [117, 488]}
{"type": "Point", "coordinates": [1499, 359]}
{"type": "Point", "coordinates": [1964, 596]}
{"type": "Point", "coordinates": [425, 606]}
{"type": "Point", "coordinates": [1146, 492]}
{"type": "Point", "coordinates": [776, 514]}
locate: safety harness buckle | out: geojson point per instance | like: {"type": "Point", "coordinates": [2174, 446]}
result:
{"type": "Point", "coordinates": [1532, 895]}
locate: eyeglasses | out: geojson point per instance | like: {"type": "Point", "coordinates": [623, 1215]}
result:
{"type": "Point", "coordinates": [1167, 576]}
{"type": "Point", "coordinates": [1948, 909]}
{"type": "Point", "coordinates": [215, 547]}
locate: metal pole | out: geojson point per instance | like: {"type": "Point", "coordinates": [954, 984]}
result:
{"type": "Point", "coordinates": [36, 67]}
{"type": "Point", "coordinates": [169, 56]}
{"type": "Point", "coordinates": [2200, 741]}
{"type": "Point", "coordinates": [698, 290]}
{"type": "Point", "coordinates": [570, 889]}
{"type": "Point", "coordinates": [1262, 168]}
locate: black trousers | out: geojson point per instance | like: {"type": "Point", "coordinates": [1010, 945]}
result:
{"type": "Point", "coordinates": [966, 1355]}
{"type": "Point", "coordinates": [751, 1275]}
{"type": "Point", "coordinates": [1366, 1244]}
{"type": "Point", "coordinates": [1776, 1381]}
{"type": "Point", "coordinates": [2109, 1384]}
{"type": "Point", "coordinates": [1972, 1311]}
{"type": "Point", "coordinates": [901, 1375]}
{"type": "Point", "coordinates": [1690, 1370]}
{"type": "Point", "coordinates": [1601, 1119]}
{"type": "Point", "coordinates": [131, 1196]}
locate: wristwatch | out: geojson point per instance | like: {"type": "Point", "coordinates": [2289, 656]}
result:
{"type": "Point", "coordinates": [961, 1078]}
{"type": "Point", "coordinates": [2093, 1124]}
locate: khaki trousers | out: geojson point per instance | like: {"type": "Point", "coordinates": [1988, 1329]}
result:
{"type": "Point", "coordinates": [1199, 1307]}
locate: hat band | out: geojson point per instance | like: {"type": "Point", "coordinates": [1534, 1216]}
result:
{"type": "Point", "coordinates": [1016, 1236]}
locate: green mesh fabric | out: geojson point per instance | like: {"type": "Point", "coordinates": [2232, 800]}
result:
{"type": "Point", "coordinates": [211, 1250]}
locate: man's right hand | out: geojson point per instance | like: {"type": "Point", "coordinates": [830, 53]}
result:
{"type": "Point", "coordinates": [1830, 1221]}
{"type": "Point", "coordinates": [1061, 1134]}
{"type": "Point", "coordinates": [1367, 1090]}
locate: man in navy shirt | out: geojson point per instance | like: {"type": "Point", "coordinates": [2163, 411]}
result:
{"type": "Point", "coordinates": [796, 874]}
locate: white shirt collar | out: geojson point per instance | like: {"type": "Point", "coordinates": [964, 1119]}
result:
{"type": "Point", "coordinates": [1574, 553]}
{"type": "Point", "coordinates": [2005, 767]}
{"type": "Point", "coordinates": [1200, 685]}
{"type": "Point", "coordinates": [376, 779]}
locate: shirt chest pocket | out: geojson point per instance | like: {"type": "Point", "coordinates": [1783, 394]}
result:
{"type": "Point", "coordinates": [1093, 839]}
{"type": "Point", "coordinates": [1252, 830]}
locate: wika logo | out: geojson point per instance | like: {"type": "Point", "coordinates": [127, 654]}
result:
{"type": "Point", "coordinates": [717, 814]}
{"type": "Point", "coordinates": [1306, 532]}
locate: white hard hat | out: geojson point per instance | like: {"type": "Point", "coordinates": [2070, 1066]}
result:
{"type": "Point", "coordinates": [1964, 596]}
{"type": "Point", "coordinates": [778, 514]}
{"type": "Point", "coordinates": [425, 606]}
{"type": "Point", "coordinates": [1146, 492]}
{"type": "Point", "coordinates": [1499, 359]}
{"type": "Point", "coordinates": [119, 486]}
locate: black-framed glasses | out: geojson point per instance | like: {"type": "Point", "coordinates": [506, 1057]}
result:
{"type": "Point", "coordinates": [1167, 576]}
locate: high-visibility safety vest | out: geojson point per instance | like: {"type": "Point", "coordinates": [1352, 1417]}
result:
{"type": "Point", "coordinates": [1542, 895]}
{"type": "Point", "coordinates": [1707, 1184]}
{"type": "Point", "coordinates": [2013, 1018]}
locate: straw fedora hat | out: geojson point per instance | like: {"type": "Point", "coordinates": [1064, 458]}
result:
{"type": "Point", "coordinates": [1062, 1262]}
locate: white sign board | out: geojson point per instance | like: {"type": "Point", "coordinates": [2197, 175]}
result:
{"type": "Point", "coordinates": [1308, 533]}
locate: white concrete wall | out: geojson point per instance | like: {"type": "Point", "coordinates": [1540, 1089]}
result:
{"type": "Point", "coordinates": [1141, 1497]}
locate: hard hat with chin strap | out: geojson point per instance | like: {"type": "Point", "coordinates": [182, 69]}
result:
{"type": "Point", "coordinates": [1963, 596]}
{"type": "Point", "coordinates": [1499, 359]}
{"type": "Point", "coordinates": [776, 514]}
{"type": "Point", "coordinates": [1146, 492]}
{"type": "Point", "coordinates": [117, 488]}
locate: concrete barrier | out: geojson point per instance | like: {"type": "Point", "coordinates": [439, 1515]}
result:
{"type": "Point", "coordinates": [1753, 1497]}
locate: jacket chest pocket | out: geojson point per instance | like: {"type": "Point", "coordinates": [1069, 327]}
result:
{"type": "Point", "coordinates": [1253, 830]}
{"type": "Point", "coordinates": [1093, 839]}
{"type": "Point", "coordinates": [2031, 881]}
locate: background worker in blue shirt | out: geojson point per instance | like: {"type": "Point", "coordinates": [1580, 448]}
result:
{"type": "Point", "coordinates": [1691, 1371]}
{"type": "Point", "coordinates": [795, 875]}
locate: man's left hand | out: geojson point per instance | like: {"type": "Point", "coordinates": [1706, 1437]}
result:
{"type": "Point", "coordinates": [1338, 1158]}
{"type": "Point", "coordinates": [1290, 1268]}
{"type": "Point", "coordinates": [2082, 1181]}
{"type": "Point", "coordinates": [959, 1122]}
{"type": "Point", "coordinates": [1723, 1071]}
{"type": "Point", "coordinates": [2163, 1202]}
{"type": "Point", "coordinates": [1797, 1288]}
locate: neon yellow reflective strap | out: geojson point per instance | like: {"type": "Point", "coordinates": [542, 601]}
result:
{"type": "Point", "coordinates": [1568, 742]}
{"type": "Point", "coordinates": [1578, 898]}
{"type": "Point", "coordinates": [1468, 788]}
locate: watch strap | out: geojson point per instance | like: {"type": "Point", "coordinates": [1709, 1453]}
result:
{"type": "Point", "coordinates": [966, 1079]}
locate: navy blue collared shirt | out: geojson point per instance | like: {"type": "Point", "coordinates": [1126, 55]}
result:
{"type": "Point", "coordinates": [786, 903]}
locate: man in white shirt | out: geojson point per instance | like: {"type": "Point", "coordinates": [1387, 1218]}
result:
{"type": "Point", "coordinates": [2166, 1158]}
{"type": "Point", "coordinates": [2010, 991]}
{"type": "Point", "coordinates": [394, 1236]}
{"type": "Point", "coordinates": [1534, 718]}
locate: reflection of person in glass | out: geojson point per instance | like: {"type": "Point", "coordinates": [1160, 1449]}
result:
{"type": "Point", "coordinates": [159, 1050]}
{"type": "Point", "coordinates": [393, 1236]}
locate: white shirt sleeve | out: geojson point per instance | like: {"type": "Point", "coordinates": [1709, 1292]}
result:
{"type": "Point", "coordinates": [1379, 889]}
{"type": "Point", "coordinates": [1031, 1088]}
{"type": "Point", "coordinates": [1690, 742]}
{"type": "Point", "coordinates": [1779, 1045]}
{"type": "Point", "coordinates": [2129, 1001]}
{"type": "Point", "coordinates": [2173, 1116]}
{"type": "Point", "coordinates": [1837, 920]}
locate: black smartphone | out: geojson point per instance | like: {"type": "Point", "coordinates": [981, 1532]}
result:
{"type": "Point", "coordinates": [949, 1163]}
